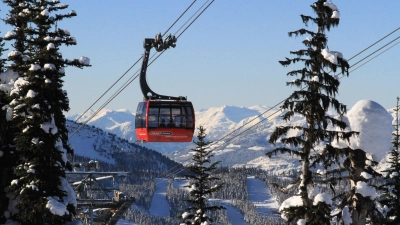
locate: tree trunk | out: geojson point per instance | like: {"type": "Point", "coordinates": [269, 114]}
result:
{"type": "Point", "coordinates": [361, 204]}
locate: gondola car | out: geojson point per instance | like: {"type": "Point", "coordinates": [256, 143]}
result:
{"type": "Point", "coordinates": [164, 121]}
{"type": "Point", "coordinates": [162, 118]}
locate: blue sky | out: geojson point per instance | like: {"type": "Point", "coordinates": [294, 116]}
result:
{"type": "Point", "coordinates": [229, 56]}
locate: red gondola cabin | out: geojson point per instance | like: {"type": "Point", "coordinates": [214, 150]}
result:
{"type": "Point", "coordinates": [165, 121]}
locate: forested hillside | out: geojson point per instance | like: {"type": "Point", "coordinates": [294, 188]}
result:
{"type": "Point", "coordinates": [144, 165]}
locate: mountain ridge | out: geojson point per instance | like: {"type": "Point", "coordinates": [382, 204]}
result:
{"type": "Point", "coordinates": [240, 146]}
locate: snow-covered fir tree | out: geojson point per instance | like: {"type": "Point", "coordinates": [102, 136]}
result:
{"type": "Point", "coordinates": [200, 184]}
{"type": "Point", "coordinates": [5, 166]}
{"type": "Point", "coordinates": [353, 175]}
{"type": "Point", "coordinates": [39, 190]}
{"type": "Point", "coordinates": [390, 197]}
{"type": "Point", "coordinates": [317, 89]}
{"type": "Point", "coordinates": [2, 50]}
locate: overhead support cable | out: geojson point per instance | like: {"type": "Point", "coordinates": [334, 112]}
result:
{"type": "Point", "coordinates": [376, 56]}
{"type": "Point", "coordinates": [173, 172]}
{"type": "Point", "coordinates": [136, 74]}
{"type": "Point", "coordinates": [374, 43]}
{"type": "Point", "coordinates": [375, 51]}
{"type": "Point", "coordinates": [179, 18]}
{"type": "Point", "coordinates": [77, 119]}
{"type": "Point", "coordinates": [241, 127]}
{"type": "Point", "coordinates": [262, 120]}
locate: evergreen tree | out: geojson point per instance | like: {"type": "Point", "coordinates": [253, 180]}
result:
{"type": "Point", "coordinates": [35, 113]}
{"type": "Point", "coordinates": [4, 166]}
{"type": "Point", "coordinates": [2, 60]}
{"type": "Point", "coordinates": [316, 94]}
{"type": "Point", "coordinates": [390, 198]}
{"type": "Point", "coordinates": [7, 156]}
{"type": "Point", "coordinates": [201, 183]}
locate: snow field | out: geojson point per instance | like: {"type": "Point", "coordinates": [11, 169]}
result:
{"type": "Point", "coordinates": [159, 203]}
{"type": "Point", "coordinates": [258, 190]}
{"type": "Point", "coordinates": [262, 198]}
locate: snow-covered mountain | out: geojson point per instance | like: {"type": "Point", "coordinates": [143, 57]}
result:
{"type": "Point", "coordinates": [218, 122]}
{"type": "Point", "coordinates": [246, 145]}
{"type": "Point", "coordinates": [96, 144]}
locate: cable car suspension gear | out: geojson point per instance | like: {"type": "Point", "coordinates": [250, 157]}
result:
{"type": "Point", "coordinates": [160, 45]}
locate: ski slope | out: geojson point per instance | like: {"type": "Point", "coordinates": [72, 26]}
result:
{"type": "Point", "coordinates": [235, 217]}
{"type": "Point", "coordinates": [262, 198]}
{"type": "Point", "coordinates": [258, 190]}
{"type": "Point", "coordinates": [124, 222]}
{"type": "Point", "coordinates": [159, 204]}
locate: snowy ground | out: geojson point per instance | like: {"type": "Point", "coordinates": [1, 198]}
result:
{"type": "Point", "coordinates": [264, 201]}
{"type": "Point", "coordinates": [258, 193]}
{"type": "Point", "coordinates": [234, 215]}
{"type": "Point", "coordinates": [123, 222]}
{"type": "Point", "coordinates": [159, 204]}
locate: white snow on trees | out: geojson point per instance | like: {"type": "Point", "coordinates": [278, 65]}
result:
{"type": "Point", "coordinates": [30, 94]}
{"type": "Point", "coordinates": [49, 126]}
{"type": "Point", "coordinates": [72, 40]}
{"type": "Point", "coordinates": [14, 54]}
{"type": "Point", "coordinates": [35, 106]}
{"type": "Point", "coordinates": [66, 32]}
{"type": "Point", "coordinates": [35, 140]}
{"type": "Point", "coordinates": [84, 60]}
{"type": "Point", "coordinates": [63, 151]}
{"type": "Point", "coordinates": [17, 84]}
{"type": "Point", "coordinates": [26, 11]}
{"type": "Point", "coordinates": [375, 126]}
{"type": "Point", "coordinates": [35, 67]}
{"type": "Point", "coordinates": [365, 190]}
{"type": "Point", "coordinates": [323, 197]}
{"type": "Point", "coordinates": [50, 46]}
{"type": "Point", "coordinates": [26, 58]}
{"type": "Point", "coordinates": [30, 169]}
{"type": "Point", "coordinates": [49, 66]}
{"type": "Point", "coordinates": [25, 129]}
{"type": "Point", "coordinates": [48, 38]}
{"type": "Point", "coordinates": [62, 5]}
{"type": "Point", "coordinates": [45, 12]}
{"type": "Point", "coordinates": [335, 13]}
{"type": "Point", "coordinates": [331, 56]}
{"type": "Point", "coordinates": [301, 222]}
{"type": "Point", "coordinates": [9, 112]}
{"type": "Point", "coordinates": [331, 5]}
{"type": "Point", "coordinates": [56, 207]}
{"type": "Point", "coordinates": [293, 201]}
{"type": "Point", "coordinates": [70, 197]}
{"type": "Point", "coordinates": [185, 215]}
{"type": "Point", "coordinates": [10, 34]}
{"type": "Point", "coordinates": [315, 79]}
{"type": "Point", "coordinates": [366, 175]}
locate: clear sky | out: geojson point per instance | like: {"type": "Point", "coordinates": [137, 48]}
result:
{"type": "Point", "coordinates": [229, 56]}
